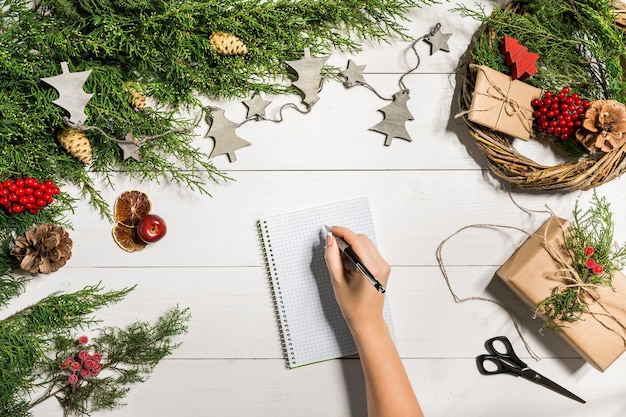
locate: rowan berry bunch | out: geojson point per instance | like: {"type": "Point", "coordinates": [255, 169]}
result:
{"type": "Point", "coordinates": [559, 114]}
{"type": "Point", "coordinates": [82, 365]}
{"type": "Point", "coordinates": [26, 194]}
{"type": "Point", "coordinates": [590, 263]}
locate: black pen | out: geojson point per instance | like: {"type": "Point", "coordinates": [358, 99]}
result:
{"type": "Point", "coordinates": [347, 250]}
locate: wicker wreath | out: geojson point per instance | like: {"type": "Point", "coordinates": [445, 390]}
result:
{"type": "Point", "coordinates": [505, 162]}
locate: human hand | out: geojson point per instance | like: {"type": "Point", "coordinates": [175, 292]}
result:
{"type": "Point", "coordinates": [360, 303]}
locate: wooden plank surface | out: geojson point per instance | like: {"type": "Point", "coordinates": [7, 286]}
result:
{"type": "Point", "coordinates": [421, 192]}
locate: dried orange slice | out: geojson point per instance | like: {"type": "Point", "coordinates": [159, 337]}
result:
{"type": "Point", "coordinates": [130, 207]}
{"type": "Point", "coordinates": [127, 238]}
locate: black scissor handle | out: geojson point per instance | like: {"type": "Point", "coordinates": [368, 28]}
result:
{"type": "Point", "coordinates": [502, 356]}
{"type": "Point", "coordinates": [492, 365]}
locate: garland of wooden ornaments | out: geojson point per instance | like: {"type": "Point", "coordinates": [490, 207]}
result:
{"type": "Point", "coordinates": [73, 99]}
{"type": "Point", "coordinates": [309, 83]}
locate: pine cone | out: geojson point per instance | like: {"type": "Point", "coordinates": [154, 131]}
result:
{"type": "Point", "coordinates": [227, 44]}
{"type": "Point", "coordinates": [76, 144]}
{"type": "Point", "coordinates": [137, 100]}
{"type": "Point", "coordinates": [44, 248]}
{"type": "Point", "coordinates": [604, 126]}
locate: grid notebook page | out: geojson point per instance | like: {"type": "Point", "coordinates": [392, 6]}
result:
{"type": "Point", "coordinates": [311, 324]}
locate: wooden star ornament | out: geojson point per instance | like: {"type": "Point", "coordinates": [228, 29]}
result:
{"type": "Point", "coordinates": [256, 107]}
{"type": "Point", "coordinates": [72, 98]}
{"type": "Point", "coordinates": [130, 147]}
{"type": "Point", "coordinates": [223, 133]}
{"type": "Point", "coordinates": [353, 74]}
{"type": "Point", "coordinates": [438, 40]}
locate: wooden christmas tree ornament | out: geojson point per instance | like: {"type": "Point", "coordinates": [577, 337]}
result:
{"type": "Point", "coordinates": [76, 144]}
{"type": "Point", "coordinates": [227, 44]}
{"type": "Point", "coordinates": [521, 63]}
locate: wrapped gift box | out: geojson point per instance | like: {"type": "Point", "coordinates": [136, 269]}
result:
{"type": "Point", "coordinates": [502, 104]}
{"type": "Point", "coordinates": [531, 274]}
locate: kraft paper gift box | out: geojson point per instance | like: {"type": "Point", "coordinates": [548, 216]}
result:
{"type": "Point", "coordinates": [502, 104]}
{"type": "Point", "coordinates": [531, 273]}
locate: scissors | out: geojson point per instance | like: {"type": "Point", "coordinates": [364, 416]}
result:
{"type": "Point", "coordinates": [507, 362]}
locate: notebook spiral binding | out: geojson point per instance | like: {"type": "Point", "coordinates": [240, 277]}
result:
{"type": "Point", "coordinates": [279, 307]}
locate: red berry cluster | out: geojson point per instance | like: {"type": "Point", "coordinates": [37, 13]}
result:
{"type": "Point", "coordinates": [26, 194]}
{"type": "Point", "coordinates": [83, 365]}
{"type": "Point", "coordinates": [597, 269]}
{"type": "Point", "coordinates": [559, 114]}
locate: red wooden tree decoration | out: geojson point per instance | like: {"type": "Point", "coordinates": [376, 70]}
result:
{"type": "Point", "coordinates": [521, 63]}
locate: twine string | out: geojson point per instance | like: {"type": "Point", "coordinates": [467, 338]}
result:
{"type": "Point", "coordinates": [458, 299]}
{"type": "Point", "coordinates": [566, 273]}
{"type": "Point", "coordinates": [140, 142]}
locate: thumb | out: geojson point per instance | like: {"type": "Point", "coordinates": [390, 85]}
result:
{"type": "Point", "coordinates": [333, 258]}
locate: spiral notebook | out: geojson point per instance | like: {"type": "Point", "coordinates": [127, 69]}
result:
{"type": "Point", "coordinates": [311, 325]}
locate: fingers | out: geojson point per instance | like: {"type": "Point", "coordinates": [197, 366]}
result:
{"type": "Point", "coordinates": [366, 250]}
{"type": "Point", "coordinates": [333, 259]}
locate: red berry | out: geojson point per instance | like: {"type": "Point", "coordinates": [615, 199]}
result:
{"type": "Point", "coordinates": [590, 263]}
{"type": "Point", "coordinates": [598, 269]}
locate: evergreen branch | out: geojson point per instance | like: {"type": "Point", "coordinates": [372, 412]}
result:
{"type": "Point", "coordinates": [589, 236]}
{"type": "Point", "coordinates": [129, 356]}
{"type": "Point", "coordinates": [26, 334]}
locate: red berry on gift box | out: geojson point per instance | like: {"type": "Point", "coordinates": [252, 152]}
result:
{"type": "Point", "coordinates": [590, 263]}
{"type": "Point", "coordinates": [589, 251]}
{"type": "Point", "coordinates": [598, 269]}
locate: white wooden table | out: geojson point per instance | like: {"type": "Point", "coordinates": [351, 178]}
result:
{"type": "Point", "coordinates": [231, 363]}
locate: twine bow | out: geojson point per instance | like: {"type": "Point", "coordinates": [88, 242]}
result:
{"type": "Point", "coordinates": [509, 105]}
{"type": "Point", "coordinates": [588, 293]}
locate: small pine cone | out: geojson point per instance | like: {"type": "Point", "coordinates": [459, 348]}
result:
{"type": "Point", "coordinates": [44, 248]}
{"type": "Point", "coordinates": [76, 144]}
{"type": "Point", "coordinates": [137, 100]}
{"type": "Point", "coordinates": [604, 126]}
{"type": "Point", "coordinates": [227, 44]}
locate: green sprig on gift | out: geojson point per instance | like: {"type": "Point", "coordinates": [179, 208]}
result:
{"type": "Point", "coordinates": [594, 258]}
